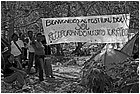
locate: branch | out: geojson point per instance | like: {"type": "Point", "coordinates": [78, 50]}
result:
{"type": "Point", "coordinates": [22, 16]}
{"type": "Point", "coordinates": [89, 7]}
{"type": "Point", "coordinates": [28, 24]}
{"type": "Point", "coordinates": [98, 13]}
{"type": "Point", "coordinates": [69, 11]}
{"type": "Point", "coordinates": [83, 8]}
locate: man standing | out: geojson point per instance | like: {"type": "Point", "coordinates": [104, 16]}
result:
{"type": "Point", "coordinates": [47, 62]}
{"type": "Point", "coordinates": [31, 50]}
{"type": "Point", "coordinates": [17, 48]}
{"type": "Point", "coordinates": [39, 55]}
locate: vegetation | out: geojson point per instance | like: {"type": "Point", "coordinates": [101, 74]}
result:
{"type": "Point", "coordinates": [21, 16]}
{"type": "Point", "coordinates": [96, 79]}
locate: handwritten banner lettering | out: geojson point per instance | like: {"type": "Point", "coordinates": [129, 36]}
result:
{"type": "Point", "coordinates": [95, 29]}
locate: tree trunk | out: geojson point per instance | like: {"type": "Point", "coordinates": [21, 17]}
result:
{"type": "Point", "coordinates": [78, 50]}
{"type": "Point", "coordinates": [59, 50]}
{"type": "Point", "coordinates": [11, 30]}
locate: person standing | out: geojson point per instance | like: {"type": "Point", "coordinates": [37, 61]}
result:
{"type": "Point", "coordinates": [31, 50]}
{"type": "Point", "coordinates": [47, 62]}
{"type": "Point", "coordinates": [17, 48]}
{"type": "Point", "coordinates": [39, 55]}
{"type": "Point", "coordinates": [22, 38]}
{"type": "Point", "coordinates": [24, 54]}
{"type": "Point", "coordinates": [26, 40]}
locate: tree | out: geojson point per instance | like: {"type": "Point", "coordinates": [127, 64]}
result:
{"type": "Point", "coordinates": [22, 16]}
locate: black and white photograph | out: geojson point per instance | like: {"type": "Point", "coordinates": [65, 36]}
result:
{"type": "Point", "coordinates": [69, 47]}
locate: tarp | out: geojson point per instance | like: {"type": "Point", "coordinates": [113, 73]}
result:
{"type": "Point", "coordinates": [129, 46]}
{"type": "Point", "coordinates": [110, 58]}
{"type": "Point", "coordinates": [94, 29]}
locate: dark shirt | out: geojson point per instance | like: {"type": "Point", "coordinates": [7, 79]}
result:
{"type": "Point", "coordinates": [48, 50]}
{"type": "Point", "coordinates": [7, 71]}
{"type": "Point", "coordinates": [39, 48]}
{"type": "Point", "coordinates": [44, 42]}
{"type": "Point", "coordinates": [47, 47]}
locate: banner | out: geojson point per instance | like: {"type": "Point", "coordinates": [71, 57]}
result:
{"type": "Point", "coordinates": [94, 29]}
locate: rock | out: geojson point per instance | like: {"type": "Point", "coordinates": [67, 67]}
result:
{"type": "Point", "coordinates": [46, 83]}
{"type": "Point", "coordinates": [31, 81]}
{"type": "Point", "coordinates": [58, 64]}
{"type": "Point", "coordinates": [80, 63]}
{"type": "Point", "coordinates": [71, 62]}
{"type": "Point", "coordinates": [32, 70]}
{"type": "Point", "coordinates": [36, 78]}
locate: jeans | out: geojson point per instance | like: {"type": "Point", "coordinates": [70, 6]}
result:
{"type": "Point", "coordinates": [16, 76]}
{"type": "Point", "coordinates": [30, 63]}
{"type": "Point", "coordinates": [39, 62]}
{"type": "Point", "coordinates": [48, 66]}
{"type": "Point", "coordinates": [25, 53]}
{"type": "Point", "coordinates": [18, 60]}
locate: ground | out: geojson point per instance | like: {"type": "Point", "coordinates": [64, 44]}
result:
{"type": "Point", "coordinates": [67, 78]}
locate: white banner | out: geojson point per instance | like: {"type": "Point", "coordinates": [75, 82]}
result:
{"type": "Point", "coordinates": [95, 29]}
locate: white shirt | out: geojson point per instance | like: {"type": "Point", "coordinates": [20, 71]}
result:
{"type": "Point", "coordinates": [30, 47]}
{"type": "Point", "coordinates": [14, 49]}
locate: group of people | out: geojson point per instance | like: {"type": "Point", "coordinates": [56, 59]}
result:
{"type": "Point", "coordinates": [35, 46]}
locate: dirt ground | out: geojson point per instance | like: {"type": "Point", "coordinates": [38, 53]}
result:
{"type": "Point", "coordinates": [66, 80]}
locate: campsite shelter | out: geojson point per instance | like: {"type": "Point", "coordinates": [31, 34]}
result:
{"type": "Point", "coordinates": [111, 58]}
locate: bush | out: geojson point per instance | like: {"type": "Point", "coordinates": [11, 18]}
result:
{"type": "Point", "coordinates": [95, 78]}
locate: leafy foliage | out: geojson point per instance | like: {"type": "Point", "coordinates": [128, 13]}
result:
{"type": "Point", "coordinates": [25, 15]}
{"type": "Point", "coordinates": [21, 16]}
{"type": "Point", "coordinates": [127, 75]}
{"type": "Point", "coordinates": [95, 78]}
